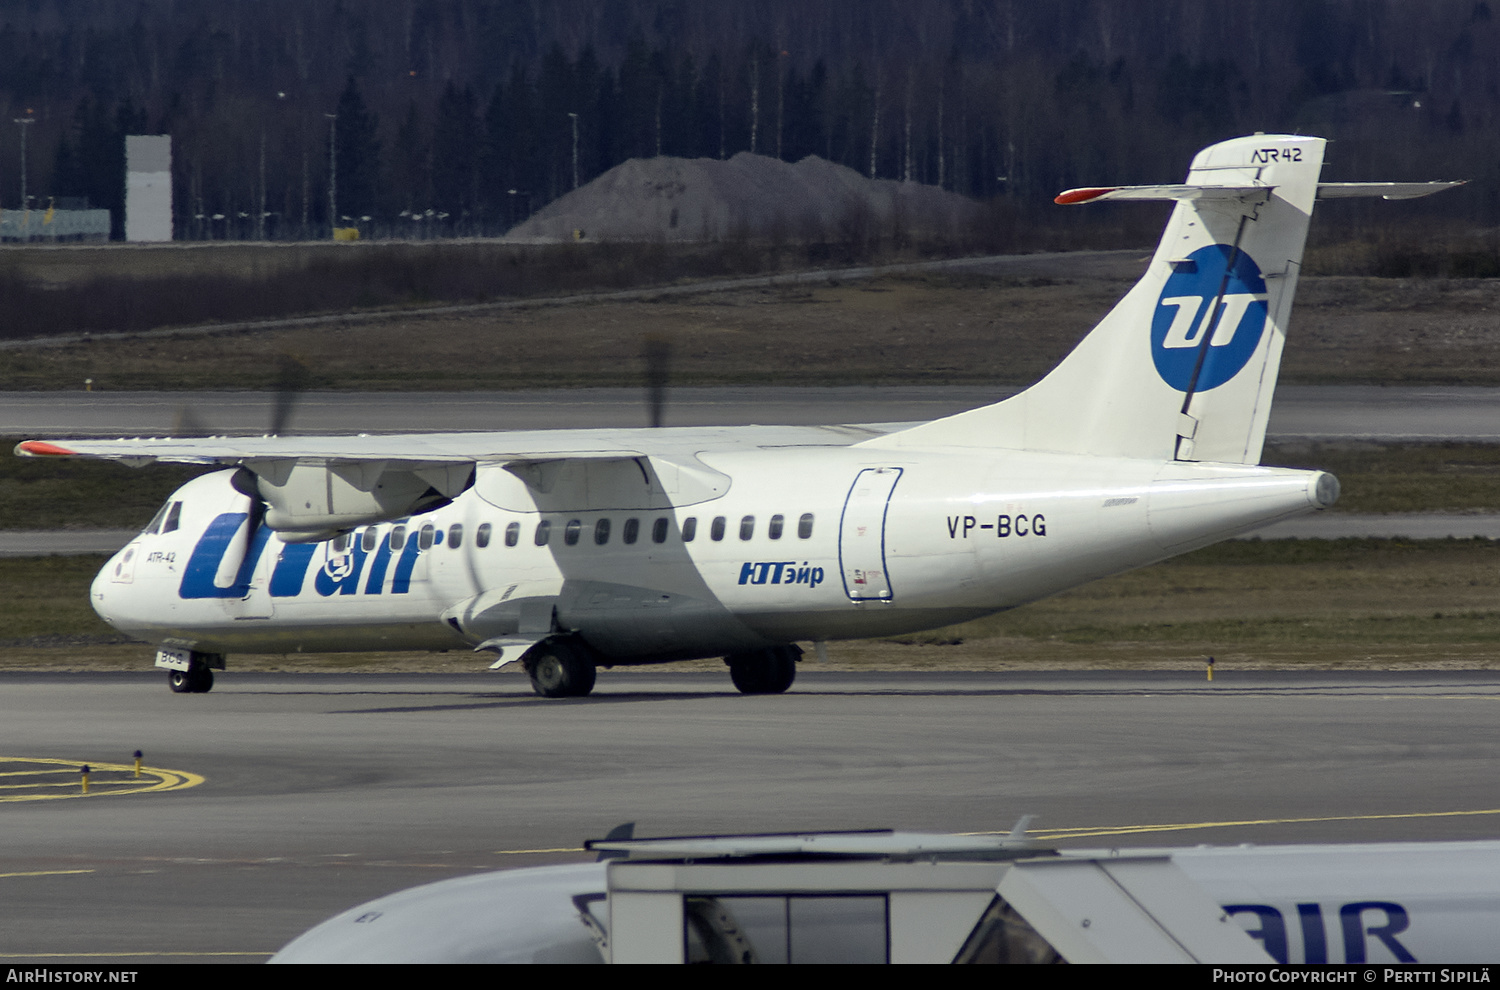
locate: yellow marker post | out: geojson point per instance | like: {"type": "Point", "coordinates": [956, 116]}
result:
{"type": "Point", "coordinates": [84, 770]}
{"type": "Point", "coordinates": [1210, 668]}
{"type": "Point", "coordinates": [138, 764]}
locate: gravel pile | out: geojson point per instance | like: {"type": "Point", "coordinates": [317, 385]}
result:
{"type": "Point", "coordinates": [748, 196]}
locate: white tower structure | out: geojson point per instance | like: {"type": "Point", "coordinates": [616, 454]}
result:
{"type": "Point", "coordinates": [148, 187]}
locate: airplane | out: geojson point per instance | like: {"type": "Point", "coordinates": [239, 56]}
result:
{"type": "Point", "coordinates": [899, 897]}
{"type": "Point", "coordinates": [568, 550]}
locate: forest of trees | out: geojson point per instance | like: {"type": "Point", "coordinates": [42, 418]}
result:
{"type": "Point", "coordinates": [463, 116]}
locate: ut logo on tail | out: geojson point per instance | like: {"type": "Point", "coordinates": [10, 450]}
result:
{"type": "Point", "coordinates": [1184, 313]}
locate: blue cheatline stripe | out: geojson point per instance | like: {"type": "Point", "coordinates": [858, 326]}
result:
{"type": "Point", "coordinates": [208, 554]}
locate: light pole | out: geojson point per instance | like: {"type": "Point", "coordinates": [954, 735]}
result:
{"type": "Point", "coordinates": [25, 204]}
{"type": "Point", "coordinates": [333, 175]}
{"type": "Point", "coordinates": [575, 149]}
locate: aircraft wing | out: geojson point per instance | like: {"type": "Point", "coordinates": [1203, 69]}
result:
{"type": "Point", "coordinates": [317, 486]}
{"type": "Point", "coordinates": [451, 448]}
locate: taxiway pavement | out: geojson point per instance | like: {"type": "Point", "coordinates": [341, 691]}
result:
{"type": "Point", "coordinates": [322, 791]}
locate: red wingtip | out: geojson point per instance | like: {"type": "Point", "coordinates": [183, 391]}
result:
{"type": "Point", "coordinates": [1073, 196]}
{"type": "Point", "coordinates": [42, 448]}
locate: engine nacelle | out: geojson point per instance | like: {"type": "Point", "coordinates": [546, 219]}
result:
{"type": "Point", "coordinates": [308, 501]}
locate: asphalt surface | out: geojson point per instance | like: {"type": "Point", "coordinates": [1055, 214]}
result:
{"type": "Point", "coordinates": [322, 791]}
{"type": "Point", "coordinates": [1322, 412]}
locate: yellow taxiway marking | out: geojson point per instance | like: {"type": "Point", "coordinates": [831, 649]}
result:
{"type": "Point", "coordinates": [104, 779]}
{"type": "Point", "coordinates": [1096, 832]}
{"type": "Point", "coordinates": [43, 873]}
{"type": "Point", "coordinates": [1099, 831]}
{"type": "Point", "coordinates": [71, 768]}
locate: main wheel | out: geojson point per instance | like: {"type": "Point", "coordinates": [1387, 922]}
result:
{"type": "Point", "coordinates": [562, 669]}
{"type": "Point", "coordinates": [769, 671]}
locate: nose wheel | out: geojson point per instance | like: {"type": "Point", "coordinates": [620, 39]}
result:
{"type": "Point", "coordinates": [198, 679]}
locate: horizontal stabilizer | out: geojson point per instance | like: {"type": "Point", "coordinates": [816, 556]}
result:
{"type": "Point", "coordinates": [1385, 190]}
{"type": "Point", "coordinates": [1177, 191]}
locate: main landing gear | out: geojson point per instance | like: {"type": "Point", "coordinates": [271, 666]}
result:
{"type": "Point", "coordinates": [561, 668]}
{"type": "Point", "coordinates": [769, 671]}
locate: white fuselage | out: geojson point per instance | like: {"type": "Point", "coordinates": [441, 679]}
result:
{"type": "Point", "coordinates": [1411, 902]}
{"type": "Point", "coordinates": [779, 544]}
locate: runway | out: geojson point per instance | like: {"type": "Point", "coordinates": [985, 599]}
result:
{"type": "Point", "coordinates": [321, 791]}
{"type": "Point", "coordinates": [1317, 412]}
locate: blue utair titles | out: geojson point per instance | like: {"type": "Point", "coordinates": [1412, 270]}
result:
{"type": "Point", "coordinates": [341, 577]}
{"type": "Point", "coordinates": [780, 572]}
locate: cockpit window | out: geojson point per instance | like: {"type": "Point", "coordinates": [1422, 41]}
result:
{"type": "Point", "coordinates": [174, 518]}
{"type": "Point", "coordinates": [155, 522]}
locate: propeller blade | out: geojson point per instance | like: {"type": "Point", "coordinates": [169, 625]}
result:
{"type": "Point", "coordinates": [187, 423]}
{"type": "Point", "coordinates": [657, 353]}
{"type": "Point", "coordinates": [291, 379]}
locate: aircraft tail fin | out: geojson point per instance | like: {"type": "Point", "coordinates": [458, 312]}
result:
{"type": "Point", "coordinates": [1185, 365]}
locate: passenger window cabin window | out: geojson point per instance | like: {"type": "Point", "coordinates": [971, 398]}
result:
{"type": "Point", "coordinates": [398, 537]}
{"type": "Point", "coordinates": [773, 528]}
{"type": "Point", "coordinates": [174, 518]}
{"type": "Point", "coordinates": [455, 536]}
{"type": "Point", "coordinates": [659, 530]}
{"type": "Point", "coordinates": [571, 531]}
{"type": "Point", "coordinates": [369, 539]}
{"type": "Point", "coordinates": [601, 532]}
{"type": "Point", "coordinates": [543, 533]}
{"type": "Point", "coordinates": [804, 526]}
{"type": "Point", "coordinates": [689, 529]}
{"type": "Point", "coordinates": [747, 527]}
{"type": "Point", "coordinates": [425, 537]}
{"type": "Point", "coordinates": [513, 534]}
{"type": "Point", "coordinates": [631, 531]}
{"type": "Point", "coordinates": [716, 531]}
{"type": "Point", "coordinates": [340, 543]}
{"type": "Point", "coordinates": [482, 536]}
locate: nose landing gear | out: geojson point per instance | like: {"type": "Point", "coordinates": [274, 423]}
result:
{"type": "Point", "coordinates": [189, 671]}
{"type": "Point", "coordinates": [199, 680]}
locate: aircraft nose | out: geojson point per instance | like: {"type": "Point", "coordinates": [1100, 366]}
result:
{"type": "Point", "coordinates": [116, 574]}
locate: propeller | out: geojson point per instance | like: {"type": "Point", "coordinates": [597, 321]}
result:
{"type": "Point", "coordinates": [657, 354]}
{"type": "Point", "coordinates": [291, 379]}
{"type": "Point", "coordinates": [292, 376]}
{"type": "Point", "coordinates": [188, 424]}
